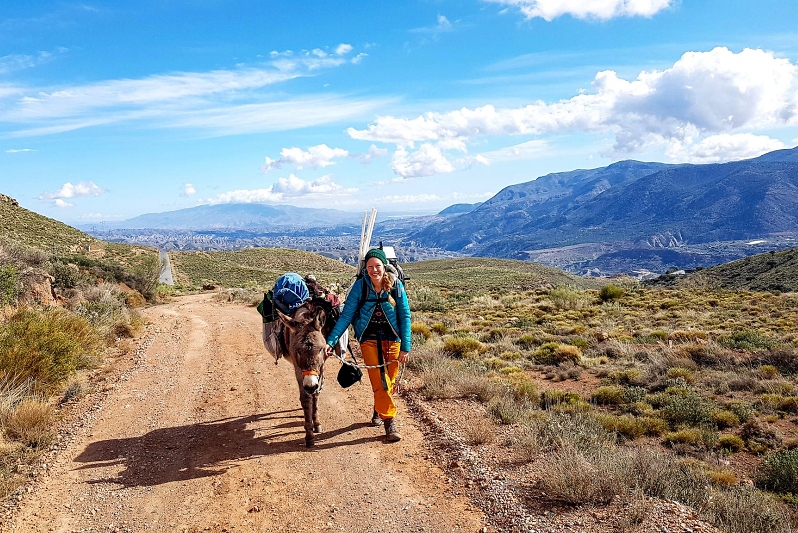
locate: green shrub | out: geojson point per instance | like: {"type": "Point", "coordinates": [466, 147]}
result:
{"type": "Point", "coordinates": [419, 328]}
{"type": "Point", "coordinates": [702, 438]}
{"type": "Point", "coordinates": [730, 443]}
{"type": "Point", "coordinates": [439, 328]}
{"type": "Point", "coordinates": [744, 411]}
{"type": "Point", "coordinates": [426, 299]}
{"type": "Point", "coordinates": [679, 372]}
{"type": "Point", "coordinates": [634, 395]}
{"type": "Point", "coordinates": [609, 395]}
{"type": "Point", "coordinates": [525, 391]}
{"type": "Point", "coordinates": [777, 402]}
{"type": "Point", "coordinates": [624, 376]}
{"type": "Point", "coordinates": [526, 341]}
{"type": "Point", "coordinates": [745, 510]}
{"type": "Point", "coordinates": [459, 346]}
{"type": "Point", "coordinates": [10, 287]}
{"type": "Point", "coordinates": [626, 425]}
{"type": "Point", "coordinates": [67, 276]}
{"type": "Point", "coordinates": [45, 347]}
{"type": "Point", "coordinates": [689, 409]}
{"type": "Point", "coordinates": [552, 353]}
{"type": "Point", "coordinates": [725, 419]}
{"type": "Point", "coordinates": [654, 427]}
{"type": "Point", "coordinates": [579, 342]}
{"type": "Point", "coordinates": [568, 298]}
{"type": "Point", "coordinates": [758, 437]}
{"type": "Point", "coordinates": [767, 372]}
{"type": "Point", "coordinates": [610, 292]}
{"type": "Point", "coordinates": [778, 472]}
{"type": "Point", "coordinates": [747, 340]}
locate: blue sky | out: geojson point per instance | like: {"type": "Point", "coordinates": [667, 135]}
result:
{"type": "Point", "coordinates": [113, 109]}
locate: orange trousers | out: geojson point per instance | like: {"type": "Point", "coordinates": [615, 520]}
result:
{"type": "Point", "coordinates": [382, 379]}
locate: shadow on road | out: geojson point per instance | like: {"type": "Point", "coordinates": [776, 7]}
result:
{"type": "Point", "coordinates": [205, 449]}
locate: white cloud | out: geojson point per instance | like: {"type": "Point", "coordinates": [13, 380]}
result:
{"type": "Point", "coordinates": [343, 49]}
{"type": "Point", "coordinates": [68, 190]}
{"type": "Point", "coordinates": [426, 161]}
{"type": "Point", "coordinates": [20, 150]}
{"type": "Point", "coordinates": [182, 99]}
{"type": "Point", "coordinates": [315, 157]}
{"type": "Point", "coordinates": [290, 187]}
{"type": "Point", "coordinates": [12, 62]}
{"type": "Point", "coordinates": [526, 150]}
{"type": "Point", "coordinates": [61, 203]}
{"type": "Point", "coordinates": [408, 198]}
{"type": "Point", "coordinates": [373, 153]}
{"type": "Point", "coordinates": [701, 95]}
{"type": "Point", "coordinates": [443, 26]}
{"type": "Point", "coordinates": [586, 9]}
{"type": "Point", "coordinates": [189, 190]}
{"type": "Point", "coordinates": [294, 186]}
{"type": "Point", "coordinates": [722, 148]}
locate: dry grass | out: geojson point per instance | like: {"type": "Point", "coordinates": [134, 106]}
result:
{"type": "Point", "coordinates": [29, 422]}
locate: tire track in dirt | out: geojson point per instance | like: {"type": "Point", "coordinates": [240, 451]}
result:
{"type": "Point", "coordinates": [206, 435]}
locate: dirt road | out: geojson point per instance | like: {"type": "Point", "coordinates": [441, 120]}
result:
{"type": "Point", "coordinates": [205, 433]}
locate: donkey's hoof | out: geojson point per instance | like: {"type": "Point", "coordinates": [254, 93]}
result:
{"type": "Point", "coordinates": [317, 428]}
{"type": "Point", "coordinates": [310, 442]}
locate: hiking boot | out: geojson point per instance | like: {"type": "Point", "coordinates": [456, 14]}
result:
{"type": "Point", "coordinates": [391, 435]}
{"type": "Point", "coordinates": [376, 421]}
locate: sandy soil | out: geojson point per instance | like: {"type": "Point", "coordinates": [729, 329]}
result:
{"type": "Point", "coordinates": [204, 433]}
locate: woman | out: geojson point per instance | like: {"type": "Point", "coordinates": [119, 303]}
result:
{"type": "Point", "coordinates": [382, 326]}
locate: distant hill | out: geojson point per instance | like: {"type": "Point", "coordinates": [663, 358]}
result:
{"type": "Point", "coordinates": [772, 271]}
{"type": "Point", "coordinates": [457, 209]}
{"type": "Point", "coordinates": [254, 267]}
{"type": "Point", "coordinates": [29, 228]}
{"type": "Point", "coordinates": [634, 207]}
{"type": "Point", "coordinates": [20, 225]}
{"type": "Point", "coordinates": [483, 274]}
{"type": "Point", "coordinates": [240, 217]}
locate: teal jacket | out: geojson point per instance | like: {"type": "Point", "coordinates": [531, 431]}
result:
{"type": "Point", "coordinates": [398, 317]}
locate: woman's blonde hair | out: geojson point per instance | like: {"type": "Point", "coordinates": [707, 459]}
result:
{"type": "Point", "coordinates": [388, 280]}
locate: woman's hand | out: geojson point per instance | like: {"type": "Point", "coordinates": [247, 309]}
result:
{"type": "Point", "coordinates": [328, 350]}
{"type": "Point", "coordinates": [403, 357]}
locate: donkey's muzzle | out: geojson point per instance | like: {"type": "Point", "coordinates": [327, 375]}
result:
{"type": "Point", "coordinates": [310, 382]}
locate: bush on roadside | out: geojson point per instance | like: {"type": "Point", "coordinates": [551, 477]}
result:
{"type": "Point", "coordinates": [460, 346]}
{"type": "Point", "coordinates": [45, 347]}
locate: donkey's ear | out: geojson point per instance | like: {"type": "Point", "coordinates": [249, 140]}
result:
{"type": "Point", "coordinates": [319, 319]}
{"type": "Point", "coordinates": [289, 322]}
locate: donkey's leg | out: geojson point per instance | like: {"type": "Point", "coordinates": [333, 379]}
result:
{"type": "Point", "coordinates": [308, 403]}
{"type": "Point", "coordinates": [316, 423]}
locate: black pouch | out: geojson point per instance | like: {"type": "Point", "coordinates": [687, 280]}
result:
{"type": "Point", "coordinates": [348, 375]}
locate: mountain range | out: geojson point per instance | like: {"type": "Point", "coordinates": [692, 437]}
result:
{"type": "Point", "coordinates": [670, 213]}
{"type": "Point", "coordinates": [628, 216]}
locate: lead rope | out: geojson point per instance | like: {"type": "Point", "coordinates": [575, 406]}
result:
{"type": "Point", "coordinates": [358, 365]}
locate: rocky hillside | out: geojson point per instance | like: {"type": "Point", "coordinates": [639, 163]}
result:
{"type": "Point", "coordinates": [631, 206]}
{"type": "Point", "coordinates": [772, 271]}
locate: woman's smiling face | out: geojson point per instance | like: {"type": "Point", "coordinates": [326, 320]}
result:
{"type": "Point", "coordinates": [376, 270]}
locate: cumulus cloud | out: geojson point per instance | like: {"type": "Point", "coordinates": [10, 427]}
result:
{"type": "Point", "coordinates": [315, 157]}
{"type": "Point", "coordinates": [189, 190]}
{"type": "Point", "coordinates": [373, 153]}
{"type": "Point", "coordinates": [62, 203]}
{"type": "Point", "coordinates": [586, 9]}
{"type": "Point", "coordinates": [526, 150]}
{"type": "Point", "coordinates": [703, 94]}
{"type": "Point", "coordinates": [343, 49]}
{"type": "Point", "coordinates": [723, 147]}
{"type": "Point", "coordinates": [285, 188]}
{"type": "Point", "coordinates": [68, 190]}
{"type": "Point", "coordinates": [428, 160]}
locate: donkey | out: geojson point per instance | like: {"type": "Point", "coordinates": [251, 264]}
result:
{"type": "Point", "coordinates": [304, 337]}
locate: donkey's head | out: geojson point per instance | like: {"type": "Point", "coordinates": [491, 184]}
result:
{"type": "Point", "coordinates": [305, 340]}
